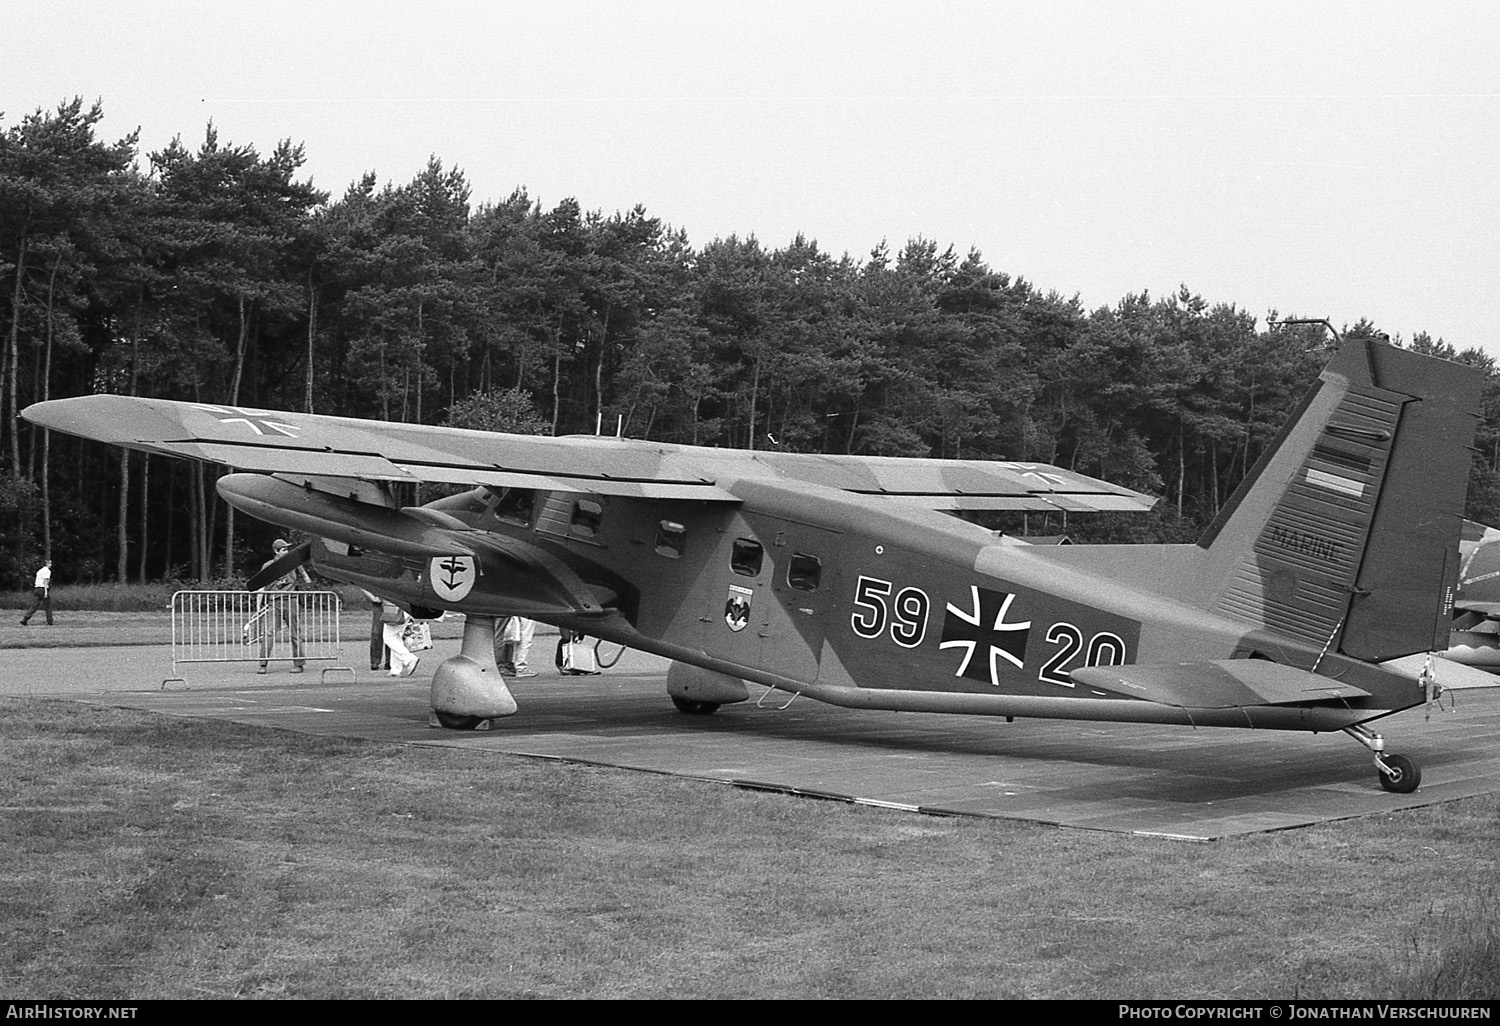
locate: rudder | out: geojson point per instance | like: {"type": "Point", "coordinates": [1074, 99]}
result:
{"type": "Point", "coordinates": [1345, 534]}
{"type": "Point", "coordinates": [1403, 602]}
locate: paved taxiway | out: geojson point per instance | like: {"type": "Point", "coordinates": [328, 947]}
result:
{"type": "Point", "coordinates": [1157, 780]}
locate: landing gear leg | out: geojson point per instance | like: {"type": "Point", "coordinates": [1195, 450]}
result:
{"type": "Point", "coordinates": [467, 690]}
{"type": "Point", "coordinates": [1397, 773]}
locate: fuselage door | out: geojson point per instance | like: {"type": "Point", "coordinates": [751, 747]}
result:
{"type": "Point", "coordinates": [778, 582]}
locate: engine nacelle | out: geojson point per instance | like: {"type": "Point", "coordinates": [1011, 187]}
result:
{"type": "Point", "coordinates": [421, 557]}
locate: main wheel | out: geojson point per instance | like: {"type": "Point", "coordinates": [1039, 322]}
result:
{"type": "Point", "coordinates": [1403, 777]}
{"type": "Point", "coordinates": [693, 708]}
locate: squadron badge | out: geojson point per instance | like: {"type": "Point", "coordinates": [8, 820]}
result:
{"type": "Point", "coordinates": [452, 577]}
{"type": "Point", "coordinates": [737, 607]}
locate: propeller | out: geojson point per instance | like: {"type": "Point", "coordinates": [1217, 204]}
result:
{"type": "Point", "coordinates": [279, 567]}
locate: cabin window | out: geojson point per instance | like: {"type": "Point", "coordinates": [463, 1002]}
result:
{"type": "Point", "coordinates": [586, 516]}
{"type": "Point", "coordinates": [516, 505]}
{"type": "Point", "coordinates": [804, 572]}
{"type": "Point", "coordinates": [671, 538]}
{"type": "Point", "coordinates": [746, 557]}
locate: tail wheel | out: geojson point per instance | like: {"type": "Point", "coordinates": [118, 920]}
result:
{"type": "Point", "coordinates": [693, 708]}
{"type": "Point", "coordinates": [1399, 775]}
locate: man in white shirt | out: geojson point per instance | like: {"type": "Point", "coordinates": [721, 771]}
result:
{"type": "Point", "coordinates": [41, 595]}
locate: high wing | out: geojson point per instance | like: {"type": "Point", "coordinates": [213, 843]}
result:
{"type": "Point", "coordinates": [308, 444]}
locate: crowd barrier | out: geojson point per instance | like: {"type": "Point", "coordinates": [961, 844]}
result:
{"type": "Point", "coordinates": [282, 627]}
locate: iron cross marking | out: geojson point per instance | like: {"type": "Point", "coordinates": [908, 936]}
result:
{"type": "Point", "coordinates": [259, 424]}
{"type": "Point", "coordinates": [982, 630]}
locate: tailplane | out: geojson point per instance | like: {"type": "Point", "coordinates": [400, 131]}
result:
{"type": "Point", "coordinates": [1345, 533]}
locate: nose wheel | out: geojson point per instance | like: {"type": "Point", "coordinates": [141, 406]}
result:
{"type": "Point", "coordinates": [1397, 773]}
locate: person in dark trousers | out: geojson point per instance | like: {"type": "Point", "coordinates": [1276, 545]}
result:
{"type": "Point", "coordinates": [380, 657]}
{"type": "Point", "coordinates": [280, 606]}
{"type": "Point", "coordinates": [41, 595]}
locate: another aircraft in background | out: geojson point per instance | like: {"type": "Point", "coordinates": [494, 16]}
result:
{"type": "Point", "coordinates": [837, 578]}
{"type": "Point", "coordinates": [1476, 610]}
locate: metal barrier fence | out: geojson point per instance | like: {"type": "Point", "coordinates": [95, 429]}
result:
{"type": "Point", "coordinates": [256, 627]}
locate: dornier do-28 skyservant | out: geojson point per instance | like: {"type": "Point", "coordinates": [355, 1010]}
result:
{"type": "Point", "coordinates": [839, 578]}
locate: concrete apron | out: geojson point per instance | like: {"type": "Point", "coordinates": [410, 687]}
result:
{"type": "Point", "coordinates": [1160, 781]}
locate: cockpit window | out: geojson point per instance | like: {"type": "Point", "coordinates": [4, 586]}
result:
{"type": "Point", "coordinates": [516, 505]}
{"type": "Point", "coordinates": [746, 557]}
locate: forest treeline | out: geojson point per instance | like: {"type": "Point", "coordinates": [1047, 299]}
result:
{"type": "Point", "coordinates": [214, 274]}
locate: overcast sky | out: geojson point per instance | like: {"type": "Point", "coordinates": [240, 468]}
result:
{"type": "Point", "coordinates": [1321, 159]}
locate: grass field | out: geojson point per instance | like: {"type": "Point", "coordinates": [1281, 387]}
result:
{"type": "Point", "coordinates": [151, 857]}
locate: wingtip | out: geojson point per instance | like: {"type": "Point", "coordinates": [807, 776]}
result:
{"type": "Point", "coordinates": [72, 414]}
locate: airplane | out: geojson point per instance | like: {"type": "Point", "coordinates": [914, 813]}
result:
{"type": "Point", "coordinates": [1302, 606]}
{"type": "Point", "coordinates": [1476, 608]}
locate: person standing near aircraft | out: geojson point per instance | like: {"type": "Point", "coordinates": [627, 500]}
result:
{"type": "Point", "coordinates": [280, 606]}
{"type": "Point", "coordinates": [507, 633]}
{"type": "Point", "coordinates": [393, 621]}
{"type": "Point", "coordinates": [41, 594]}
{"type": "Point", "coordinates": [379, 658]}
{"type": "Point", "coordinates": [514, 635]}
{"type": "Point", "coordinates": [523, 647]}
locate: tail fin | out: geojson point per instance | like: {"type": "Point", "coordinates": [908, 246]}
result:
{"type": "Point", "coordinates": [1346, 531]}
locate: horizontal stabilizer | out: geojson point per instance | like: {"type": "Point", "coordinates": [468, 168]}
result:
{"type": "Point", "coordinates": [1216, 684]}
{"type": "Point", "coordinates": [1451, 675]}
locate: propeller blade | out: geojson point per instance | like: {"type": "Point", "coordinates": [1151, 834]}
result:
{"type": "Point", "coordinates": [282, 565]}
